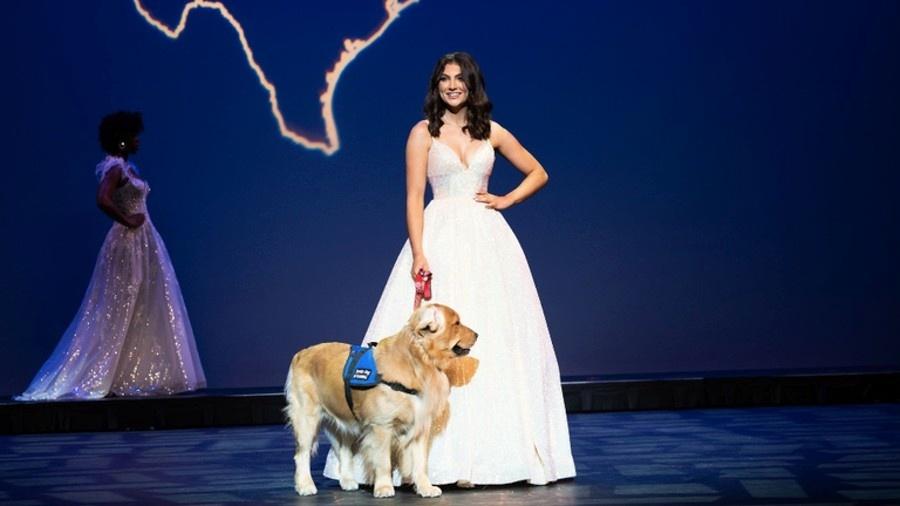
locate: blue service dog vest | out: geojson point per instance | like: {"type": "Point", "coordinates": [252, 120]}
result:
{"type": "Point", "coordinates": [361, 372]}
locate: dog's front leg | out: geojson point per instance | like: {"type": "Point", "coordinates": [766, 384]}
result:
{"type": "Point", "coordinates": [418, 450]}
{"type": "Point", "coordinates": [377, 448]}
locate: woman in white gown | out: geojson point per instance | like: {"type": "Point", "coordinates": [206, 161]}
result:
{"type": "Point", "coordinates": [509, 423]}
{"type": "Point", "coordinates": [131, 335]}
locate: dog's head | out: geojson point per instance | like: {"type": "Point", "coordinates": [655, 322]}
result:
{"type": "Point", "coordinates": [446, 341]}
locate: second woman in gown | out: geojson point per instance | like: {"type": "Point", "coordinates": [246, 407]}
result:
{"type": "Point", "coordinates": [509, 423]}
{"type": "Point", "coordinates": [131, 335]}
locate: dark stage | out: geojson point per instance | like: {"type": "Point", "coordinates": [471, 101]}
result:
{"type": "Point", "coordinates": [786, 455]}
{"type": "Point", "coordinates": [772, 441]}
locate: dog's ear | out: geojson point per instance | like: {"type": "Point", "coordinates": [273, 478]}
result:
{"type": "Point", "coordinates": [427, 319]}
{"type": "Point", "coordinates": [461, 370]}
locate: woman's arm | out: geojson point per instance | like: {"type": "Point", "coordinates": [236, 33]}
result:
{"type": "Point", "coordinates": [113, 179]}
{"type": "Point", "coordinates": [535, 175]}
{"type": "Point", "coordinates": [416, 162]}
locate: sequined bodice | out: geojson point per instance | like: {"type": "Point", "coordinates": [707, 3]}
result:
{"type": "Point", "coordinates": [131, 197]}
{"type": "Point", "coordinates": [449, 177]}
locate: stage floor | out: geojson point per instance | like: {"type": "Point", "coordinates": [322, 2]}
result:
{"type": "Point", "coordinates": [787, 455]}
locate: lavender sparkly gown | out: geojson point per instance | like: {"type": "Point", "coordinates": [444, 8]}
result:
{"type": "Point", "coordinates": [509, 424]}
{"type": "Point", "coordinates": [131, 335]}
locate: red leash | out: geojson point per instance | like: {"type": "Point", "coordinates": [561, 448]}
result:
{"type": "Point", "coordinates": [423, 287]}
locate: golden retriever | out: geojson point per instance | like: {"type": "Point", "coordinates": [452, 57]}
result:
{"type": "Point", "coordinates": [390, 426]}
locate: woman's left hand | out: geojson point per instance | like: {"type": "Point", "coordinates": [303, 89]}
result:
{"type": "Point", "coordinates": [493, 201]}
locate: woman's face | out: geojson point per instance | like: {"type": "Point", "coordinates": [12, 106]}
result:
{"type": "Point", "coordinates": [130, 147]}
{"type": "Point", "coordinates": [451, 86]}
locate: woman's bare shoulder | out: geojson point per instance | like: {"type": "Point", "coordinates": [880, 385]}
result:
{"type": "Point", "coordinates": [498, 134]}
{"type": "Point", "coordinates": [419, 135]}
{"type": "Point", "coordinates": [420, 129]}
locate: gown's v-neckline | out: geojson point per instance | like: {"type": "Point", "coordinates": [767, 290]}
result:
{"type": "Point", "coordinates": [459, 159]}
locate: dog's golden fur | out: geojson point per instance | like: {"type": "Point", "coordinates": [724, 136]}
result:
{"type": "Point", "coordinates": [389, 428]}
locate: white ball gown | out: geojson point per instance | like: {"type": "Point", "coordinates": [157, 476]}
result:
{"type": "Point", "coordinates": [131, 335]}
{"type": "Point", "coordinates": [509, 423]}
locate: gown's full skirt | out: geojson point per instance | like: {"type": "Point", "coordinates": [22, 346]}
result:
{"type": "Point", "coordinates": [509, 423]}
{"type": "Point", "coordinates": [131, 335]}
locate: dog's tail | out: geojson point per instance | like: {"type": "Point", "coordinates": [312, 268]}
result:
{"type": "Point", "coordinates": [289, 395]}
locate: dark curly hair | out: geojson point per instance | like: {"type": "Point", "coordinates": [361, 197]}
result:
{"type": "Point", "coordinates": [117, 127]}
{"type": "Point", "coordinates": [478, 107]}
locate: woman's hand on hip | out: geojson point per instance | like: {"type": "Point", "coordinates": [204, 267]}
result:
{"type": "Point", "coordinates": [136, 220]}
{"type": "Point", "coordinates": [492, 201]}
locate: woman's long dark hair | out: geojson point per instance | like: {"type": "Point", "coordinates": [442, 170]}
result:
{"type": "Point", "coordinates": [478, 107]}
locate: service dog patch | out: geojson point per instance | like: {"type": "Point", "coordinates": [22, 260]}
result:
{"type": "Point", "coordinates": [360, 370]}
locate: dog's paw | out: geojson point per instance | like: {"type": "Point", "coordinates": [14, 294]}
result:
{"type": "Point", "coordinates": [308, 489]}
{"type": "Point", "coordinates": [429, 491]}
{"type": "Point", "coordinates": [384, 491]}
{"type": "Point", "coordinates": [465, 484]}
{"type": "Point", "coordinates": [349, 484]}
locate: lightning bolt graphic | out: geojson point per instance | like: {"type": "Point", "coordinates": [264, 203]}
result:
{"type": "Point", "coordinates": [352, 48]}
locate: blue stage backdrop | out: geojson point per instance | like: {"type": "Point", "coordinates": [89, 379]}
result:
{"type": "Point", "coordinates": [723, 175]}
